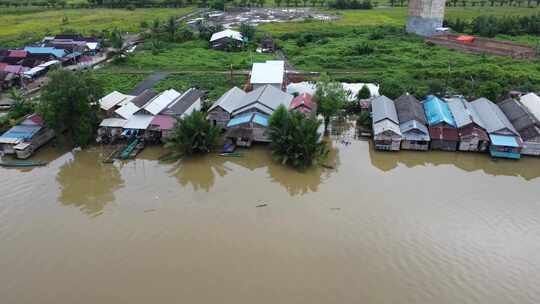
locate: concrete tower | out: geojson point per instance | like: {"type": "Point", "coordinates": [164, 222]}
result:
{"type": "Point", "coordinates": [425, 16]}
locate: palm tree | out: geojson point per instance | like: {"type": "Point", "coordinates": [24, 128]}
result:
{"type": "Point", "coordinates": [193, 134]}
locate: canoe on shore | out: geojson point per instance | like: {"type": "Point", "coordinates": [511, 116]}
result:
{"type": "Point", "coordinates": [22, 163]}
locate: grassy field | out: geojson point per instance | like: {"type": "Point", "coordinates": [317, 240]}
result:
{"type": "Point", "coordinates": [193, 56]}
{"type": "Point", "coordinates": [18, 27]}
{"type": "Point", "coordinates": [214, 84]}
{"type": "Point", "coordinates": [123, 82]}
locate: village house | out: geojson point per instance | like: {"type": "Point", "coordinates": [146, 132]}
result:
{"type": "Point", "coordinates": [220, 112]}
{"type": "Point", "coordinates": [471, 129]}
{"type": "Point", "coordinates": [304, 104]}
{"type": "Point", "coordinates": [227, 40]}
{"type": "Point", "coordinates": [532, 102]}
{"type": "Point", "coordinates": [113, 101]}
{"type": "Point", "coordinates": [271, 72]}
{"type": "Point", "coordinates": [247, 128]}
{"type": "Point", "coordinates": [412, 123]}
{"type": "Point", "coordinates": [525, 123]}
{"type": "Point", "coordinates": [26, 137]}
{"type": "Point", "coordinates": [442, 127]}
{"type": "Point", "coordinates": [386, 132]}
{"type": "Point", "coordinates": [267, 45]}
{"type": "Point", "coordinates": [505, 139]}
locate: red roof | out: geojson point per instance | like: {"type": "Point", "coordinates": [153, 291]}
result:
{"type": "Point", "coordinates": [465, 38]}
{"type": "Point", "coordinates": [442, 133]}
{"type": "Point", "coordinates": [304, 100]}
{"type": "Point", "coordinates": [15, 69]}
{"type": "Point", "coordinates": [163, 122]}
{"type": "Point", "coordinates": [18, 54]}
{"type": "Point", "coordinates": [36, 118]}
{"type": "Point", "coordinates": [2, 66]}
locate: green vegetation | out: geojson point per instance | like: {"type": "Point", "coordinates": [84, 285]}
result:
{"type": "Point", "coordinates": [112, 80]}
{"type": "Point", "coordinates": [21, 26]}
{"type": "Point", "coordinates": [191, 56]}
{"type": "Point", "coordinates": [330, 98]}
{"type": "Point", "coordinates": [69, 105]}
{"type": "Point", "coordinates": [214, 85]}
{"type": "Point", "coordinates": [295, 140]}
{"type": "Point", "coordinates": [19, 109]}
{"type": "Point", "coordinates": [193, 134]}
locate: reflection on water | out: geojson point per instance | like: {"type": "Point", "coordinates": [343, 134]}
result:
{"type": "Point", "coordinates": [527, 167]}
{"type": "Point", "coordinates": [87, 182]}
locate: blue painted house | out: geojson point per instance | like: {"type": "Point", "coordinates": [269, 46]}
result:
{"type": "Point", "coordinates": [246, 128]}
{"type": "Point", "coordinates": [505, 139]}
{"type": "Point", "coordinates": [58, 53]}
{"type": "Point", "coordinates": [442, 126]}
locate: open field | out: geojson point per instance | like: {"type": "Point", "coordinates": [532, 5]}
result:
{"type": "Point", "coordinates": [20, 27]}
{"type": "Point", "coordinates": [192, 56]}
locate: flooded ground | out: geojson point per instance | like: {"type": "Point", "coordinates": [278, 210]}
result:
{"type": "Point", "coordinates": [405, 227]}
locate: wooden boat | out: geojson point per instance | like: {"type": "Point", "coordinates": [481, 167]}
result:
{"type": "Point", "coordinates": [231, 154]}
{"type": "Point", "coordinates": [228, 148]}
{"type": "Point", "coordinates": [22, 163]}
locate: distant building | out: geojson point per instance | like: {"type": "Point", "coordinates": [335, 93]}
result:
{"type": "Point", "coordinates": [505, 139]}
{"type": "Point", "coordinates": [442, 126]}
{"type": "Point", "coordinates": [227, 40]}
{"type": "Point", "coordinates": [471, 129]}
{"type": "Point", "coordinates": [271, 72]}
{"type": "Point", "coordinates": [304, 104]}
{"type": "Point", "coordinates": [412, 123]}
{"type": "Point", "coordinates": [386, 131]}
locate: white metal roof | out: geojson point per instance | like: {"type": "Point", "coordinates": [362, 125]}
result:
{"type": "Point", "coordinates": [92, 45]}
{"type": "Point", "coordinates": [386, 125]}
{"type": "Point", "coordinates": [113, 99]}
{"type": "Point", "coordinates": [227, 33]}
{"type": "Point", "coordinates": [160, 102]}
{"type": "Point", "coordinates": [532, 102]}
{"type": "Point", "coordinates": [127, 110]}
{"type": "Point", "coordinates": [352, 89]}
{"type": "Point", "coordinates": [49, 63]}
{"type": "Point", "coordinates": [113, 122]}
{"type": "Point", "coordinates": [270, 72]}
{"type": "Point", "coordinates": [140, 122]}
{"type": "Point", "coordinates": [33, 71]}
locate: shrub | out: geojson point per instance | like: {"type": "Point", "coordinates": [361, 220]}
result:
{"type": "Point", "coordinates": [193, 134]}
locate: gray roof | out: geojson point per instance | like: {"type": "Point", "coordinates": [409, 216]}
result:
{"type": "Point", "coordinates": [494, 119]}
{"type": "Point", "coordinates": [143, 98]}
{"type": "Point", "coordinates": [464, 114]}
{"type": "Point", "coordinates": [523, 120]}
{"type": "Point", "coordinates": [182, 103]}
{"type": "Point", "coordinates": [267, 96]}
{"type": "Point", "coordinates": [230, 100]}
{"type": "Point", "coordinates": [383, 108]}
{"type": "Point", "coordinates": [414, 126]}
{"type": "Point", "coordinates": [408, 108]}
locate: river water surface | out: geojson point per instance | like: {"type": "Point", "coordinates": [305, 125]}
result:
{"type": "Point", "coordinates": [407, 227]}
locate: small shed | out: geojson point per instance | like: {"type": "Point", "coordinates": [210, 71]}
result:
{"type": "Point", "coordinates": [113, 101]}
{"type": "Point", "coordinates": [415, 134]}
{"type": "Point", "coordinates": [271, 72]}
{"type": "Point", "coordinates": [267, 45]}
{"type": "Point", "coordinates": [442, 127]}
{"type": "Point", "coordinates": [386, 132]}
{"type": "Point", "coordinates": [471, 129]}
{"type": "Point", "coordinates": [525, 123]}
{"type": "Point", "coordinates": [304, 104]}
{"type": "Point", "coordinates": [220, 112]}
{"type": "Point", "coordinates": [227, 40]}
{"type": "Point", "coordinates": [505, 139]}
{"type": "Point", "coordinates": [248, 128]}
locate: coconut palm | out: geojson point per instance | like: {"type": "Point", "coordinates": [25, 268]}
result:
{"type": "Point", "coordinates": [193, 134]}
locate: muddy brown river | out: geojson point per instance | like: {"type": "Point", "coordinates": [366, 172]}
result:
{"type": "Point", "coordinates": [407, 227]}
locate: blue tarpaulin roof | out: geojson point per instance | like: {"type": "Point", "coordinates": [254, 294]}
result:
{"type": "Point", "coordinates": [501, 140]}
{"type": "Point", "coordinates": [437, 111]}
{"type": "Point", "coordinates": [19, 132]}
{"type": "Point", "coordinates": [258, 118]}
{"type": "Point", "coordinates": [58, 53]}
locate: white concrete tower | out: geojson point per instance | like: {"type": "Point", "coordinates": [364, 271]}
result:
{"type": "Point", "coordinates": [425, 16]}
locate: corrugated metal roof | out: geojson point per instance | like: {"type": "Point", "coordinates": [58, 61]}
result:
{"type": "Point", "coordinates": [163, 122]}
{"type": "Point", "coordinates": [383, 108]}
{"type": "Point", "coordinates": [518, 114]}
{"type": "Point", "coordinates": [227, 33]}
{"type": "Point", "coordinates": [114, 98]}
{"type": "Point", "coordinates": [182, 103]}
{"type": "Point", "coordinates": [493, 118]}
{"type": "Point", "coordinates": [270, 72]}
{"type": "Point", "coordinates": [501, 140]}
{"type": "Point", "coordinates": [386, 125]}
{"type": "Point", "coordinates": [414, 126]}
{"type": "Point", "coordinates": [127, 110]}
{"type": "Point", "coordinates": [240, 119]}
{"type": "Point", "coordinates": [437, 111]}
{"type": "Point", "coordinates": [139, 122]}
{"type": "Point", "coordinates": [19, 133]}
{"type": "Point", "coordinates": [58, 53]}
{"type": "Point", "coordinates": [143, 98]}
{"type": "Point", "coordinates": [408, 108]}
{"type": "Point", "coordinates": [260, 119]}
{"type": "Point", "coordinates": [160, 102]}
{"type": "Point", "coordinates": [230, 100]}
{"type": "Point", "coordinates": [303, 99]}
{"type": "Point", "coordinates": [266, 98]}
{"type": "Point", "coordinates": [113, 123]}
{"type": "Point", "coordinates": [532, 102]}
{"type": "Point", "coordinates": [463, 113]}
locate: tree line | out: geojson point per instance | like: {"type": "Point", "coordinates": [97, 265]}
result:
{"type": "Point", "coordinates": [491, 26]}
